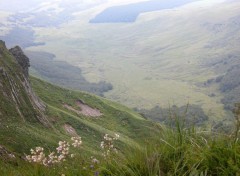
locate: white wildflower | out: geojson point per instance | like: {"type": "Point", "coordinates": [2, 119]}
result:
{"type": "Point", "coordinates": [108, 144]}
{"type": "Point", "coordinates": [77, 141]}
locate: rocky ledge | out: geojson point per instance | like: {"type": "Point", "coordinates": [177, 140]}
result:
{"type": "Point", "coordinates": [21, 58]}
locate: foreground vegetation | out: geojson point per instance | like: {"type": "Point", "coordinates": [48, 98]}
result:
{"type": "Point", "coordinates": [181, 152]}
{"type": "Point", "coordinates": [177, 151]}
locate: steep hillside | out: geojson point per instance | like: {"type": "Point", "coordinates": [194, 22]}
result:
{"type": "Point", "coordinates": [18, 101]}
{"type": "Point", "coordinates": [27, 121]}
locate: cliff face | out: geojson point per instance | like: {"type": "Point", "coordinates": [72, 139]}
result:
{"type": "Point", "coordinates": [18, 102]}
{"type": "Point", "coordinates": [21, 58]}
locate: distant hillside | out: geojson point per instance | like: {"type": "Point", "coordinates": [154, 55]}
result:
{"type": "Point", "coordinates": [61, 73]}
{"type": "Point", "coordinates": [165, 57]}
{"type": "Point", "coordinates": [21, 36]}
{"type": "Point", "coordinates": [129, 13]}
{"type": "Point", "coordinates": [190, 114]}
{"type": "Point", "coordinates": [229, 85]}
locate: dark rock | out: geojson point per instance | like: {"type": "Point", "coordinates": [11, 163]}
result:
{"type": "Point", "coordinates": [2, 71]}
{"type": "Point", "coordinates": [219, 79]}
{"type": "Point", "coordinates": [2, 47]}
{"type": "Point", "coordinates": [2, 43]}
{"type": "Point", "coordinates": [5, 154]}
{"type": "Point", "coordinates": [21, 58]}
{"type": "Point", "coordinates": [212, 95]}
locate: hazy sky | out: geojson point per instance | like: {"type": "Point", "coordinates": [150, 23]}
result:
{"type": "Point", "coordinates": [17, 5]}
{"type": "Point", "coordinates": [23, 5]}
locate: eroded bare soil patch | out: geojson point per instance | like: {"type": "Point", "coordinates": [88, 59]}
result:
{"type": "Point", "coordinates": [85, 109]}
{"type": "Point", "coordinates": [70, 130]}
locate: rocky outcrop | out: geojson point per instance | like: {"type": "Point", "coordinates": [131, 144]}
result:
{"type": "Point", "coordinates": [2, 43]}
{"type": "Point", "coordinates": [18, 101]}
{"type": "Point", "coordinates": [5, 154]}
{"type": "Point", "coordinates": [21, 58]}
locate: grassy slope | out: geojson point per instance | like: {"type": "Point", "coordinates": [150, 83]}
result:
{"type": "Point", "coordinates": [178, 151]}
{"type": "Point", "coordinates": [19, 132]}
{"type": "Point", "coordinates": [20, 137]}
{"type": "Point", "coordinates": [117, 118]}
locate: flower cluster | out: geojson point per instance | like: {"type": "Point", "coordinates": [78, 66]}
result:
{"type": "Point", "coordinates": [62, 152]}
{"type": "Point", "coordinates": [108, 144]}
{"type": "Point", "coordinates": [77, 141]}
{"type": "Point", "coordinates": [37, 155]}
{"type": "Point", "coordinates": [52, 159]}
